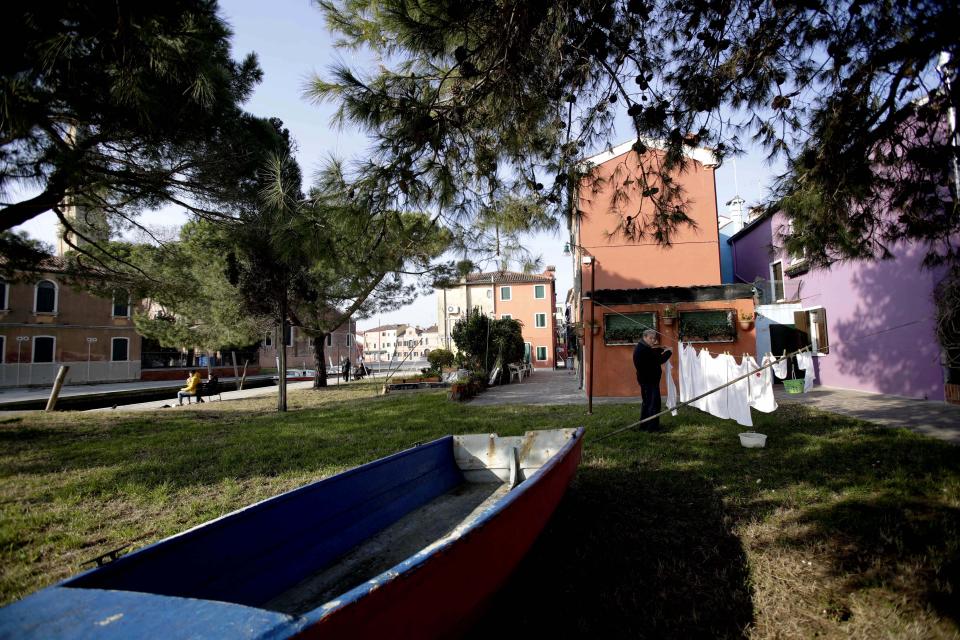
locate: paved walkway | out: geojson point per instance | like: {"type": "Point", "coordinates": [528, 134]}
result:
{"type": "Point", "coordinates": [935, 419]}
{"type": "Point", "coordinates": [544, 387]}
{"type": "Point", "coordinates": [258, 392]}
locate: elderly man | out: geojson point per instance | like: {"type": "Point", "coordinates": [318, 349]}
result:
{"type": "Point", "coordinates": [647, 359]}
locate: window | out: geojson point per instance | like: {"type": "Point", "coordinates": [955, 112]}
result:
{"type": "Point", "coordinates": [287, 335]}
{"type": "Point", "coordinates": [489, 294]}
{"type": "Point", "coordinates": [812, 325]}
{"type": "Point", "coordinates": [540, 291]}
{"type": "Point", "coordinates": [626, 328]}
{"type": "Point", "coordinates": [120, 349]}
{"type": "Point", "coordinates": [268, 340]}
{"type": "Point", "coordinates": [45, 297]}
{"type": "Point", "coordinates": [708, 326]}
{"type": "Point", "coordinates": [44, 348]}
{"type": "Point", "coordinates": [506, 316]}
{"type": "Point", "coordinates": [4, 288]}
{"type": "Point", "coordinates": [349, 339]}
{"type": "Point", "coordinates": [776, 281]}
{"type": "Point", "coordinates": [3, 349]}
{"type": "Point", "coordinates": [541, 353]}
{"type": "Point", "coordinates": [505, 293]}
{"type": "Point", "coordinates": [539, 320]}
{"type": "Point", "coordinates": [329, 339]}
{"type": "Point", "coordinates": [526, 351]}
{"type": "Point", "coordinates": [121, 304]}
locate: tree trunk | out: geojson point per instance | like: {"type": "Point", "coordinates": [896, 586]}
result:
{"type": "Point", "coordinates": [318, 363]}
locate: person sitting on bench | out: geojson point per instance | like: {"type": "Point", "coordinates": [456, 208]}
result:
{"type": "Point", "coordinates": [192, 388]}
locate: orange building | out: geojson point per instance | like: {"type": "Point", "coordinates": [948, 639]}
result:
{"type": "Point", "coordinates": [637, 282]}
{"type": "Point", "coordinates": [528, 298]}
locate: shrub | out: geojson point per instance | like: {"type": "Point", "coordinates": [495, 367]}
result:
{"type": "Point", "coordinates": [438, 359]}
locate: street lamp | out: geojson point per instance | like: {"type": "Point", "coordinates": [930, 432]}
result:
{"type": "Point", "coordinates": [90, 341]}
{"type": "Point", "coordinates": [20, 341]}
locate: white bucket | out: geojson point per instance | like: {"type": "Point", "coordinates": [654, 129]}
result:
{"type": "Point", "coordinates": [753, 440]}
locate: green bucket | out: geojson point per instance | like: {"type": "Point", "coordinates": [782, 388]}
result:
{"type": "Point", "coordinates": [793, 386]}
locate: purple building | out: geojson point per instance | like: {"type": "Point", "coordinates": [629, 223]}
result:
{"type": "Point", "coordinates": [871, 323]}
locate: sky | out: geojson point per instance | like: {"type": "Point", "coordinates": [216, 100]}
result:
{"type": "Point", "coordinates": [292, 44]}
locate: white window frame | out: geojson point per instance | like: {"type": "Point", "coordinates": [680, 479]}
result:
{"type": "Point", "coordinates": [542, 288]}
{"type": "Point", "coordinates": [113, 307]}
{"type": "Point", "coordinates": [329, 339]}
{"type": "Point", "coordinates": [546, 354]}
{"type": "Point", "coordinates": [112, 340]}
{"type": "Point", "coordinates": [536, 317]}
{"type": "Point", "coordinates": [292, 339]}
{"type": "Point", "coordinates": [348, 339]}
{"type": "Point", "coordinates": [509, 291]}
{"type": "Point", "coordinates": [814, 336]}
{"type": "Point", "coordinates": [773, 282]}
{"type": "Point", "coordinates": [56, 297]}
{"type": "Point", "coordinates": [489, 294]}
{"type": "Point", "coordinates": [5, 287]}
{"type": "Point", "coordinates": [33, 349]}
{"type": "Point", "coordinates": [268, 340]}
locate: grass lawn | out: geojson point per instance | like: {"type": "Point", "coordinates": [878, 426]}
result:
{"type": "Point", "coordinates": [837, 529]}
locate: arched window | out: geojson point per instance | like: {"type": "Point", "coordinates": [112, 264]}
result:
{"type": "Point", "coordinates": [46, 297]}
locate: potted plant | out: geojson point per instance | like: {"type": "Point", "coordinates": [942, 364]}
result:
{"type": "Point", "coordinates": [668, 315]}
{"type": "Point", "coordinates": [746, 319]}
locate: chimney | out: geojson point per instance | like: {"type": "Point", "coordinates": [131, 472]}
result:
{"type": "Point", "coordinates": [551, 271]}
{"type": "Point", "coordinates": [735, 213]}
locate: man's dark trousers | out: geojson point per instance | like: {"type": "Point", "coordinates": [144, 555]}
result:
{"type": "Point", "coordinates": [650, 396]}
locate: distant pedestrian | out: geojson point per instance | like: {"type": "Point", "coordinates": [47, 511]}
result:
{"type": "Point", "coordinates": [346, 369]}
{"type": "Point", "coordinates": [193, 385]}
{"type": "Point", "coordinates": [647, 359]}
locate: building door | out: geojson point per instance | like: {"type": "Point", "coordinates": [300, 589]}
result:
{"type": "Point", "coordinates": [527, 352]}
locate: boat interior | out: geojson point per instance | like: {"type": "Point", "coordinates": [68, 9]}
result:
{"type": "Point", "coordinates": [301, 549]}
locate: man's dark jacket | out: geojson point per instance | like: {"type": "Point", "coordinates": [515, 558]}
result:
{"type": "Point", "coordinates": [647, 361]}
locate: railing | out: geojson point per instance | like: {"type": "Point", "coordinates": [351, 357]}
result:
{"type": "Point", "coordinates": [43, 373]}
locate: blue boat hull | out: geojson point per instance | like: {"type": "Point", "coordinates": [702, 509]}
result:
{"type": "Point", "coordinates": [215, 580]}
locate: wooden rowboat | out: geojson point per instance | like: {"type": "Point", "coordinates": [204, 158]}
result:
{"type": "Point", "coordinates": [411, 545]}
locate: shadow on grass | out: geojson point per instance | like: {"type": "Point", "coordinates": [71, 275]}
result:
{"type": "Point", "coordinates": [631, 552]}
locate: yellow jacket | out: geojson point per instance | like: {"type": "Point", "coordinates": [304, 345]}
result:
{"type": "Point", "coordinates": [192, 383]}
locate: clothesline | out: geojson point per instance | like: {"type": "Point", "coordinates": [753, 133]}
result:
{"type": "Point", "coordinates": [703, 395]}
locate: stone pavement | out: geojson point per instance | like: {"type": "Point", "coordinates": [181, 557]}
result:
{"type": "Point", "coordinates": [936, 419]}
{"type": "Point", "coordinates": [545, 386]}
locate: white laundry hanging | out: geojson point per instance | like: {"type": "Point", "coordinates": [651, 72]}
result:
{"type": "Point", "coordinates": [671, 389]}
{"type": "Point", "coordinates": [780, 369]}
{"type": "Point", "coordinates": [761, 384]}
{"type": "Point", "coordinates": [738, 393]}
{"type": "Point", "coordinates": [714, 375]}
{"type": "Point", "coordinates": [805, 362]}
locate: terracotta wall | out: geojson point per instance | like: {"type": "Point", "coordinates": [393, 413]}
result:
{"type": "Point", "coordinates": [79, 315]}
{"type": "Point", "coordinates": [614, 374]}
{"type": "Point", "coordinates": [181, 374]}
{"type": "Point", "coordinates": [623, 263]}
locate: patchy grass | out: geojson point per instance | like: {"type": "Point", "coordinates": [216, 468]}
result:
{"type": "Point", "coordinates": [837, 529]}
